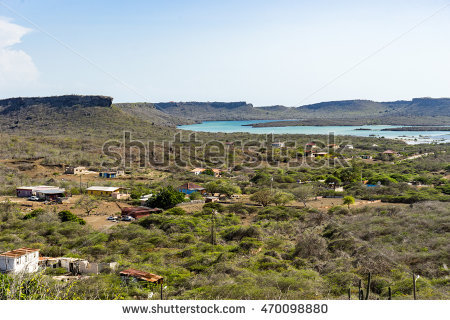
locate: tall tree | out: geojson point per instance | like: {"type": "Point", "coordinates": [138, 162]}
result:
{"type": "Point", "coordinates": [303, 193]}
{"type": "Point", "coordinates": [87, 203]}
{"type": "Point", "coordinates": [264, 197]}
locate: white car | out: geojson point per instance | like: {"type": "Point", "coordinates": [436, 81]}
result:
{"type": "Point", "coordinates": [33, 198]}
{"type": "Point", "coordinates": [111, 218]}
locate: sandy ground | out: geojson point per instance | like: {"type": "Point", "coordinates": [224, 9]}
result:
{"type": "Point", "coordinates": [96, 219]}
{"type": "Point", "coordinates": [35, 170]}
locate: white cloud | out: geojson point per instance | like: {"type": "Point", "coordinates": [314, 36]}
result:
{"type": "Point", "coordinates": [16, 67]}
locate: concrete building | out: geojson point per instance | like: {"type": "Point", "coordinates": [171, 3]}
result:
{"type": "Point", "coordinates": [20, 260]}
{"type": "Point", "coordinates": [25, 192]}
{"type": "Point", "coordinates": [76, 266]}
{"type": "Point", "coordinates": [103, 191]}
{"type": "Point", "coordinates": [75, 170]}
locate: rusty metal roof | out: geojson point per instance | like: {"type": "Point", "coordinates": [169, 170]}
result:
{"type": "Point", "coordinates": [142, 275]}
{"type": "Point", "coordinates": [18, 252]}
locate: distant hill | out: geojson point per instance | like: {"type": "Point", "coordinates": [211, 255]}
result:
{"type": "Point", "coordinates": [419, 111]}
{"type": "Point", "coordinates": [364, 108]}
{"type": "Point", "coordinates": [96, 115]}
{"type": "Point", "coordinates": [210, 110]}
{"type": "Point", "coordinates": [78, 115]}
{"type": "Point", "coordinates": [149, 112]}
{"type": "Point", "coordinates": [57, 102]}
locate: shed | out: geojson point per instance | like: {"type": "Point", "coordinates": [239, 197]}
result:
{"type": "Point", "coordinates": [139, 212]}
{"type": "Point", "coordinates": [50, 194]}
{"type": "Point", "coordinates": [142, 276]}
{"type": "Point", "coordinates": [211, 199]}
{"type": "Point", "coordinates": [190, 187]}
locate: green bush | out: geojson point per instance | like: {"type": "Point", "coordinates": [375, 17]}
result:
{"type": "Point", "coordinates": [177, 211]}
{"type": "Point", "coordinates": [195, 196]}
{"type": "Point", "coordinates": [55, 271]}
{"type": "Point", "coordinates": [247, 244]}
{"type": "Point", "coordinates": [66, 215]}
{"type": "Point", "coordinates": [167, 198]}
{"type": "Point", "coordinates": [279, 213]}
{"type": "Point", "coordinates": [270, 263]}
{"type": "Point", "coordinates": [338, 210]}
{"type": "Point", "coordinates": [34, 214]}
{"type": "Point", "coordinates": [240, 232]}
{"type": "Point", "coordinates": [214, 206]}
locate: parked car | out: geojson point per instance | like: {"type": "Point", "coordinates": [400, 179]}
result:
{"type": "Point", "coordinates": [111, 218]}
{"type": "Point", "coordinates": [33, 198]}
{"type": "Point", "coordinates": [127, 218]}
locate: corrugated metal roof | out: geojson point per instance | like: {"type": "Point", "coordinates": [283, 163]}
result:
{"type": "Point", "coordinates": [51, 191]}
{"type": "Point", "coordinates": [142, 275]}
{"type": "Point", "coordinates": [18, 252]}
{"type": "Point", "coordinates": [36, 188]}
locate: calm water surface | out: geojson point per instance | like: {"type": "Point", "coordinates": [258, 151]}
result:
{"type": "Point", "coordinates": [238, 126]}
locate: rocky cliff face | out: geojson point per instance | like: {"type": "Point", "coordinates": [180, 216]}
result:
{"type": "Point", "coordinates": [15, 104]}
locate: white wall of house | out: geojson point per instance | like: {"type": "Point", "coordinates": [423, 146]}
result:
{"type": "Point", "coordinates": [25, 263]}
{"type": "Point", "coordinates": [84, 266]}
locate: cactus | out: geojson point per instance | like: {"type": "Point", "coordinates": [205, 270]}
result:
{"type": "Point", "coordinates": [349, 294]}
{"type": "Point", "coordinates": [390, 294]}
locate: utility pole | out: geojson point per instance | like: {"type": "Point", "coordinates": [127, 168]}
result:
{"type": "Point", "coordinates": [80, 184]}
{"type": "Point", "coordinates": [213, 227]}
{"type": "Point", "coordinates": [414, 286]}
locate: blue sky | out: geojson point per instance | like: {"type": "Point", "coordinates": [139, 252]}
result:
{"type": "Point", "coordinates": [263, 52]}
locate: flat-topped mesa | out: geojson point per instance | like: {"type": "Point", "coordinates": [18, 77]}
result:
{"type": "Point", "coordinates": [13, 104]}
{"type": "Point", "coordinates": [226, 105]}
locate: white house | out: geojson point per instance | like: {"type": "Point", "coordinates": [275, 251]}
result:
{"type": "Point", "coordinates": [20, 260]}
